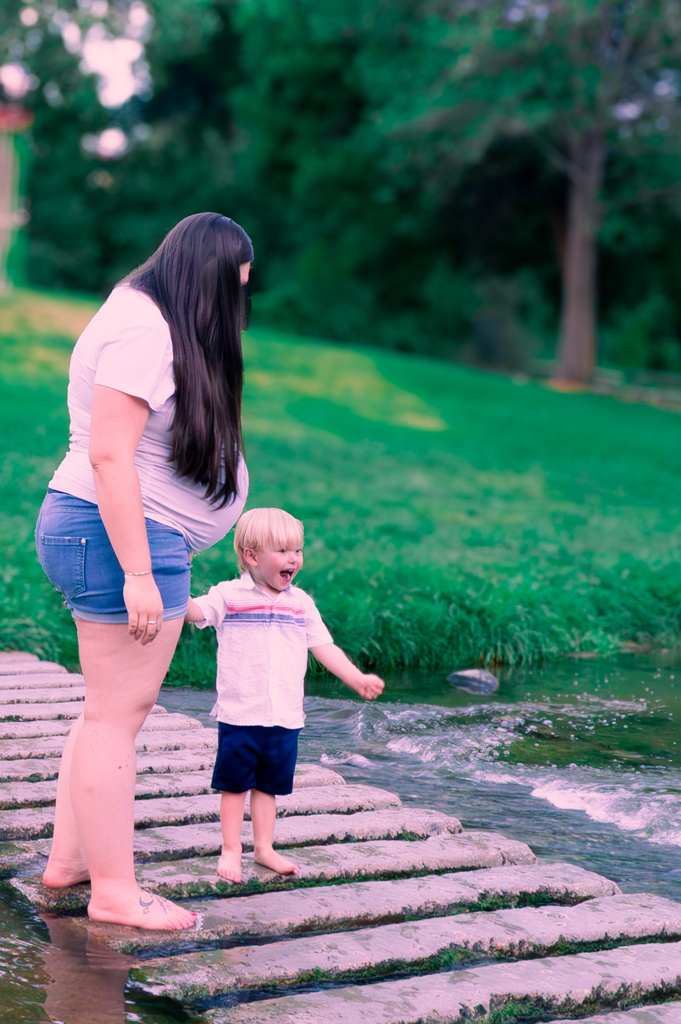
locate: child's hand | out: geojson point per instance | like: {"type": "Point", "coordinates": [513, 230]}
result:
{"type": "Point", "coordinates": [369, 686]}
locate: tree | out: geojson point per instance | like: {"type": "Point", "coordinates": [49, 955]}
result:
{"type": "Point", "coordinates": [585, 81]}
{"type": "Point", "coordinates": [94, 214]}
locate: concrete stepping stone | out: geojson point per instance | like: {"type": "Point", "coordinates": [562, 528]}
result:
{"type": "Point", "coordinates": [43, 793]}
{"type": "Point", "coordinates": [57, 727]}
{"type": "Point", "coordinates": [26, 664]}
{"type": "Point", "coordinates": [197, 878]}
{"type": "Point", "coordinates": [60, 710]}
{"type": "Point", "coordinates": [403, 823]}
{"type": "Point", "coordinates": [147, 740]}
{"type": "Point", "coordinates": [334, 908]}
{"type": "Point", "coordinates": [524, 990]}
{"type": "Point", "coordinates": [660, 1014]}
{"type": "Point", "coordinates": [20, 729]}
{"type": "Point", "coordinates": [42, 680]}
{"type": "Point", "coordinates": [430, 944]}
{"type": "Point", "coordinates": [182, 879]}
{"type": "Point", "coordinates": [180, 841]}
{"type": "Point", "coordinates": [160, 763]}
{"type": "Point", "coordinates": [40, 695]}
{"type": "Point", "coordinates": [29, 768]}
{"type": "Point", "coordinates": [37, 822]}
{"type": "Point", "coordinates": [66, 712]}
{"type": "Point", "coordinates": [28, 794]}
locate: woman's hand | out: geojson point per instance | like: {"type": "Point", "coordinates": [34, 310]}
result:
{"type": "Point", "coordinates": [145, 607]}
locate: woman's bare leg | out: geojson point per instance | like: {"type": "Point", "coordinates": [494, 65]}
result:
{"type": "Point", "coordinates": [67, 864]}
{"type": "Point", "coordinates": [263, 815]}
{"type": "Point", "coordinates": [122, 680]}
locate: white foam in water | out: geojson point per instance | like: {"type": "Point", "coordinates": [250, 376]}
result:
{"type": "Point", "coordinates": [344, 757]}
{"type": "Point", "coordinates": [655, 816]}
{"type": "Point", "coordinates": [474, 742]}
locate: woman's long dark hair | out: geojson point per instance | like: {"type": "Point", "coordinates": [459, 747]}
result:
{"type": "Point", "coordinates": [194, 279]}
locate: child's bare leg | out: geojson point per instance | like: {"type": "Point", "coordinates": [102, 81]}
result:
{"type": "Point", "coordinates": [231, 820]}
{"type": "Point", "coordinates": [263, 814]}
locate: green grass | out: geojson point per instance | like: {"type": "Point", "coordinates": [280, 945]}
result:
{"type": "Point", "coordinates": [452, 517]}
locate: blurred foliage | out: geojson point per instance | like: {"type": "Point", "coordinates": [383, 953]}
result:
{"type": "Point", "coordinates": [401, 166]}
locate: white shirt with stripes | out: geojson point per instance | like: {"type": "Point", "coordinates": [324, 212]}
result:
{"type": "Point", "coordinates": [262, 651]}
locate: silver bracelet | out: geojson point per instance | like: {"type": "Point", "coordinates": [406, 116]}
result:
{"type": "Point", "coordinates": [145, 573]}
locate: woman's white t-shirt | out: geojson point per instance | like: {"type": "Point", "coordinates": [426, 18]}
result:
{"type": "Point", "coordinates": [127, 346]}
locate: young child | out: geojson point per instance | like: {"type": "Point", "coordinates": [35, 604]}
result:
{"type": "Point", "coordinates": [265, 628]}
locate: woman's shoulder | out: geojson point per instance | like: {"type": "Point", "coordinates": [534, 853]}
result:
{"type": "Point", "coordinates": [127, 317]}
{"type": "Point", "coordinates": [129, 304]}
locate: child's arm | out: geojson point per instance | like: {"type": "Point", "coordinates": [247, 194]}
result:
{"type": "Point", "coordinates": [332, 658]}
{"type": "Point", "coordinates": [194, 613]}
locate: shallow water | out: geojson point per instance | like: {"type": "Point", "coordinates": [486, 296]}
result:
{"type": "Point", "coordinates": [581, 760]}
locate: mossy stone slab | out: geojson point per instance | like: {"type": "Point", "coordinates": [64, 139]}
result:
{"type": "Point", "coordinates": [433, 943]}
{"type": "Point", "coordinates": [525, 990]}
{"type": "Point", "coordinates": [333, 908]}
{"type": "Point", "coordinates": [669, 1013]}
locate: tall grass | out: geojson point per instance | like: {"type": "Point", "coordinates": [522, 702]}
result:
{"type": "Point", "coordinates": [452, 517]}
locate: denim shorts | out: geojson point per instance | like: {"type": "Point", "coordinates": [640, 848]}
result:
{"type": "Point", "coordinates": [259, 757]}
{"type": "Point", "coordinates": [77, 558]}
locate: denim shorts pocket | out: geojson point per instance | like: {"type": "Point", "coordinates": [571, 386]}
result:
{"type": "Point", "coordinates": [63, 562]}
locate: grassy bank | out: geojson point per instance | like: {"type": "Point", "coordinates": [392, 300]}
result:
{"type": "Point", "coordinates": [452, 517]}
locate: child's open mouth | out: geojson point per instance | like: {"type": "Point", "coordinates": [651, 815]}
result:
{"type": "Point", "coordinates": [287, 574]}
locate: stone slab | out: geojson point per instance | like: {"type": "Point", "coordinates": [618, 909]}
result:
{"type": "Point", "coordinates": [334, 908]}
{"type": "Point", "coordinates": [40, 680]}
{"type": "Point", "coordinates": [37, 822]}
{"type": "Point", "coordinates": [61, 727]}
{"type": "Point", "coordinates": [41, 695]}
{"type": "Point", "coordinates": [342, 861]}
{"type": "Point", "coordinates": [430, 944]}
{"type": "Point", "coordinates": [404, 823]}
{"type": "Point", "coordinates": [43, 793]}
{"type": "Point", "coordinates": [58, 710]}
{"type": "Point", "coordinates": [523, 990]}
{"type": "Point", "coordinates": [68, 710]}
{"type": "Point", "coordinates": [21, 729]}
{"type": "Point", "coordinates": [27, 664]}
{"type": "Point", "coordinates": [157, 762]}
{"type": "Point", "coordinates": [7, 657]}
{"type": "Point", "coordinates": [182, 841]}
{"type": "Point", "coordinates": [147, 740]}
{"type": "Point", "coordinates": [197, 878]}
{"type": "Point", "coordinates": [669, 1013]}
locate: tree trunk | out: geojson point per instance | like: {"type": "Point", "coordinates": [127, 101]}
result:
{"type": "Point", "coordinates": [578, 314]}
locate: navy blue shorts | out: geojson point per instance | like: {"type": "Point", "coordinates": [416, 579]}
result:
{"type": "Point", "coordinates": [259, 757]}
{"type": "Point", "coordinates": [77, 558]}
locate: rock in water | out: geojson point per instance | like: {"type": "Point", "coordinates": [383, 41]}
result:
{"type": "Point", "coordinates": [474, 680]}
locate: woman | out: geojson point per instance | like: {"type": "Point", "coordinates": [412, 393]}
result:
{"type": "Point", "coordinates": [154, 471]}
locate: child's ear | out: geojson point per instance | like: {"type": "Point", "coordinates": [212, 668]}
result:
{"type": "Point", "coordinates": [251, 556]}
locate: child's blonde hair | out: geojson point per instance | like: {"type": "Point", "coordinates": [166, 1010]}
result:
{"type": "Point", "coordinates": [261, 528]}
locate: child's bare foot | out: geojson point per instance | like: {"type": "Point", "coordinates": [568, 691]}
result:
{"type": "Point", "coordinates": [229, 865]}
{"type": "Point", "coordinates": [146, 910]}
{"type": "Point", "coordinates": [269, 858]}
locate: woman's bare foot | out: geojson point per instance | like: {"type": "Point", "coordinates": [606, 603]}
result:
{"type": "Point", "coordinates": [60, 876]}
{"type": "Point", "coordinates": [269, 858]}
{"type": "Point", "coordinates": [146, 911]}
{"type": "Point", "coordinates": [229, 865]}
